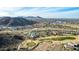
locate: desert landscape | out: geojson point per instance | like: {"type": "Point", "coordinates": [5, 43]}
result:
{"type": "Point", "coordinates": [39, 34]}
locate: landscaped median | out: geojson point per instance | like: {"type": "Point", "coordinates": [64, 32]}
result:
{"type": "Point", "coordinates": [57, 38]}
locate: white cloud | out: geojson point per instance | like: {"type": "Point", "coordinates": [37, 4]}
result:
{"type": "Point", "coordinates": [37, 11]}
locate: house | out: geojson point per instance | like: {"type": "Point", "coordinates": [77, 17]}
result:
{"type": "Point", "coordinates": [33, 35]}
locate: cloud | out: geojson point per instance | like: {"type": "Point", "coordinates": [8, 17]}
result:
{"type": "Point", "coordinates": [61, 12]}
{"type": "Point", "coordinates": [68, 9]}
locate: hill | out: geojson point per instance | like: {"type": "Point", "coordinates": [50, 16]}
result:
{"type": "Point", "coordinates": [15, 21]}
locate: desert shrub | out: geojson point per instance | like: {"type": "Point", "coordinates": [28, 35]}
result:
{"type": "Point", "coordinates": [73, 33]}
{"type": "Point", "coordinates": [19, 37]}
{"type": "Point", "coordinates": [7, 40]}
{"type": "Point", "coordinates": [43, 34]}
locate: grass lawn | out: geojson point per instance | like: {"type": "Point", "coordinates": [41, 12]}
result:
{"type": "Point", "coordinates": [57, 38]}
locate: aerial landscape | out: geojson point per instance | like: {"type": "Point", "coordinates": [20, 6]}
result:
{"type": "Point", "coordinates": [39, 29]}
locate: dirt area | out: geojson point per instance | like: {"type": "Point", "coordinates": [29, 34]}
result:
{"type": "Point", "coordinates": [66, 45]}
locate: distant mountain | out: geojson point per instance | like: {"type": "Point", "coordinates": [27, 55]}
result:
{"type": "Point", "coordinates": [33, 17]}
{"type": "Point", "coordinates": [15, 21]}
{"type": "Point", "coordinates": [37, 18]}
{"type": "Point", "coordinates": [30, 20]}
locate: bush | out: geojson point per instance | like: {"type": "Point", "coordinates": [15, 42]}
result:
{"type": "Point", "coordinates": [7, 40]}
{"type": "Point", "coordinates": [19, 37]}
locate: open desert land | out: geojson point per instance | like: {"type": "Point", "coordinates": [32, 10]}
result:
{"type": "Point", "coordinates": [38, 34]}
{"type": "Point", "coordinates": [46, 39]}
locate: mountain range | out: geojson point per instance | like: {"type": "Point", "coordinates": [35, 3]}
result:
{"type": "Point", "coordinates": [15, 21]}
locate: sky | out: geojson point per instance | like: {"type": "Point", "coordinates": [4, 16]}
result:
{"type": "Point", "coordinates": [46, 12]}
